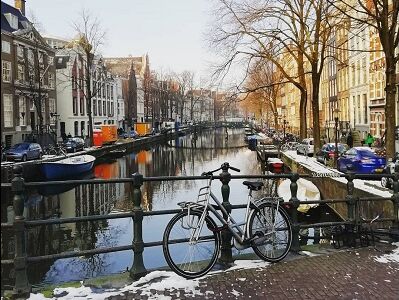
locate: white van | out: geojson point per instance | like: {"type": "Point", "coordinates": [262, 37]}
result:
{"type": "Point", "coordinates": [306, 147]}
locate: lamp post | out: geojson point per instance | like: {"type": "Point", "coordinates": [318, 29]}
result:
{"type": "Point", "coordinates": [336, 119]}
{"type": "Point", "coordinates": [284, 123]}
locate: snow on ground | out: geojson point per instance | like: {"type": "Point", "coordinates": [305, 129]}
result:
{"type": "Point", "coordinates": [157, 280]}
{"type": "Point", "coordinates": [391, 257]}
{"type": "Point", "coordinates": [310, 163]}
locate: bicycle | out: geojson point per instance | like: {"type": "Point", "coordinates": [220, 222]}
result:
{"type": "Point", "coordinates": [192, 249]}
{"type": "Point", "coordinates": [289, 146]}
{"type": "Point", "coordinates": [55, 150]}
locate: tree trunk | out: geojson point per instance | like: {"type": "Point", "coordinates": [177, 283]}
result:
{"type": "Point", "coordinates": [390, 106]}
{"type": "Point", "coordinates": [89, 97]}
{"type": "Point", "coordinates": [315, 109]}
{"type": "Point", "coordinates": [302, 114]}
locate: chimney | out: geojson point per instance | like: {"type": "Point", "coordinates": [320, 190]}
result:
{"type": "Point", "coordinates": [20, 4]}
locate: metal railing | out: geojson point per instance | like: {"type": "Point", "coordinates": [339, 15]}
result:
{"type": "Point", "coordinates": [21, 259]}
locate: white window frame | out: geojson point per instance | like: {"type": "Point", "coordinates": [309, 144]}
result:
{"type": "Point", "coordinates": [6, 71]}
{"type": "Point", "coordinates": [50, 80]}
{"type": "Point", "coordinates": [5, 46]}
{"type": "Point", "coordinates": [8, 109]}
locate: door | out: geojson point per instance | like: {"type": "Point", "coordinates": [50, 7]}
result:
{"type": "Point", "coordinates": [32, 120]}
{"type": "Point", "coordinates": [62, 130]}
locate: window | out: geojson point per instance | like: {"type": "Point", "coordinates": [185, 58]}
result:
{"type": "Point", "coordinates": [105, 108]}
{"type": "Point", "coordinates": [31, 57]}
{"type": "Point", "coordinates": [365, 108]}
{"type": "Point", "coordinates": [21, 73]}
{"type": "Point", "coordinates": [50, 80]}
{"type": "Point", "coordinates": [358, 109]}
{"type": "Point", "coordinates": [20, 51]}
{"type": "Point", "coordinates": [108, 109]}
{"type": "Point", "coordinates": [112, 92]}
{"type": "Point", "coordinates": [112, 108]}
{"type": "Point", "coordinates": [75, 105]}
{"type": "Point", "coordinates": [103, 88]}
{"type": "Point", "coordinates": [82, 106]}
{"type": "Point", "coordinates": [6, 66]}
{"type": "Point", "coordinates": [22, 111]}
{"type": "Point", "coordinates": [43, 105]}
{"type": "Point", "coordinates": [5, 47]}
{"type": "Point", "coordinates": [75, 128]}
{"type": "Point", "coordinates": [12, 20]}
{"type": "Point", "coordinates": [41, 57]}
{"type": "Point", "coordinates": [99, 108]}
{"type": "Point", "coordinates": [8, 110]}
{"type": "Point", "coordinates": [364, 70]}
{"type": "Point", "coordinates": [94, 107]}
{"type": "Point", "coordinates": [107, 91]}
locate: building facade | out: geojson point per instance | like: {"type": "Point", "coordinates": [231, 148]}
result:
{"type": "Point", "coordinates": [28, 89]}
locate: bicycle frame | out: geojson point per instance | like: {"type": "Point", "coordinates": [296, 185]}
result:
{"type": "Point", "coordinates": [239, 234]}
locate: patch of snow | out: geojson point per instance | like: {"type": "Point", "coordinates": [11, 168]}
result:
{"type": "Point", "coordinates": [308, 253]}
{"type": "Point", "coordinates": [157, 280]}
{"type": "Point", "coordinates": [391, 257]}
{"type": "Point", "coordinates": [314, 166]}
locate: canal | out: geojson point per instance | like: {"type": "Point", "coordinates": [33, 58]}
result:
{"type": "Point", "coordinates": [185, 156]}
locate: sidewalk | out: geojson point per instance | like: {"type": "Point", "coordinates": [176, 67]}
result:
{"type": "Point", "coordinates": [349, 274]}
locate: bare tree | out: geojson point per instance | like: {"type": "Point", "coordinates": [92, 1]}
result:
{"type": "Point", "coordinates": [281, 31]}
{"type": "Point", "coordinates": [90, 38]}
{"type": "Point", "coordinates": [382, 16]}
{"type": "Point", "coordinates": [263, 85]}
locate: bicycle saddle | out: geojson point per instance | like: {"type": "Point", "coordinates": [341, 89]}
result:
{"type": "Point", "coordinates": [253, 185]}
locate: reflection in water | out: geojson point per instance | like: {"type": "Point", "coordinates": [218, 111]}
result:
{"type": "Point", "coordinates": [208, 152]}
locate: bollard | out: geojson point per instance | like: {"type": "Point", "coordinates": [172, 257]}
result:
{"type": "Point", "coordinates": [294, 215]}
{"type": "Point", "coordinates": [22, 287]}
{"type": "Point", "coordinates": [395, 199]}
{"type": "Point", "coordinates": [226, 256]}
{"type": "Point", "coordinates": [138, 270]}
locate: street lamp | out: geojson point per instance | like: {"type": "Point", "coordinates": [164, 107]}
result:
{"type": "Point", "coordinates": [336, 112]}
{"type": "Point", "coordinates": [284, 123]}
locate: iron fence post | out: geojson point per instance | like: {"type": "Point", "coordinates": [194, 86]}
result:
{"type": "Point", "coordinates": [138, 269]}
{"type": "Point", "coordinates": [294, 215]}
{"type": "Point", "coordinates": [395, 199]}
{"type": "Point", "coordinates": [351, 200]}
{"type": "Point", "coordinates": [226, 256]}
{"type": "Point", "coordinates": [22, 287]}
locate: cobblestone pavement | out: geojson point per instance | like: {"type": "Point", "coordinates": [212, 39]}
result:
{"type": "Point", "coordinates": [350, 274]}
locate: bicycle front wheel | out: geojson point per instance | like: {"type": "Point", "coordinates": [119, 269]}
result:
{"type": "Point", "coordinates": [271, 229]}
{"type": "Point", "coordinates": [191, 259]}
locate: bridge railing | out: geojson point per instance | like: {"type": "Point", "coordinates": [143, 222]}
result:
{"type": "Point", "coordinates": [20, 225]}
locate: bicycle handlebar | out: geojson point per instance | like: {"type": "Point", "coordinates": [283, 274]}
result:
{"type": "Point", "coordinates": [223, 166]}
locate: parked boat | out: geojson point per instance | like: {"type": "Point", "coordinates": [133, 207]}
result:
{"type": "Point", "coordinates": [307, 191]}
{"type": "Point", "coordinates": [275, 164]}
{"type": "Point", "coordinates": [68, 167]}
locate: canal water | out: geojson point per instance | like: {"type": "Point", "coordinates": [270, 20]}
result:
{"type": "Point", "coordinates": [185, 156]}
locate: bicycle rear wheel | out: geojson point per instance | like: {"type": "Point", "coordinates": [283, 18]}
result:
{"type": "Point", "coordinates": [273, 231]}
{"type": "Point", "coordinates": [191, 259]}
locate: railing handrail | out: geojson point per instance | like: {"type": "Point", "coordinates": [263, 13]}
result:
{"type": "Point", "coordinates": [198, 177]}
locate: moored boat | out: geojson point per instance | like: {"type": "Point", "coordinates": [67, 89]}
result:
{"type": "Point", "coordinates": [307, 191]}
{"type": "Point", "coordinates": [68, 167]}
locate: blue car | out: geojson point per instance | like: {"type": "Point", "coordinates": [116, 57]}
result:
{"type": "Point", "coordinates": [24, 152]}
{"type": "Point", "coordinates": [363, 159]}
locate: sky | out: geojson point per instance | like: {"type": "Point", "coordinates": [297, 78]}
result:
{"type": "Point", "coordinates": [172, 32]}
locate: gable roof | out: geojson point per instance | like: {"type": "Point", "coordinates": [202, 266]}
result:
{"type": "Point", "coordinates": [5, 9]}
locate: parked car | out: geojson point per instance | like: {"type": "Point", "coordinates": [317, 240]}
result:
{"type": "Point", "coordinates": [24, 152]}
{"type": "Point", "coordinates": [390, 169]}
{"type": "Point", "coordinates": [132, 134]}
{"type": "Point", "coordinates": [74, 144]}
{"type": "Point", "coordinates": [327, 152]}
{"type": "Point", "coordinates": [363, 159]}
{"type": "Point", "coordinates": [306, 147]}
